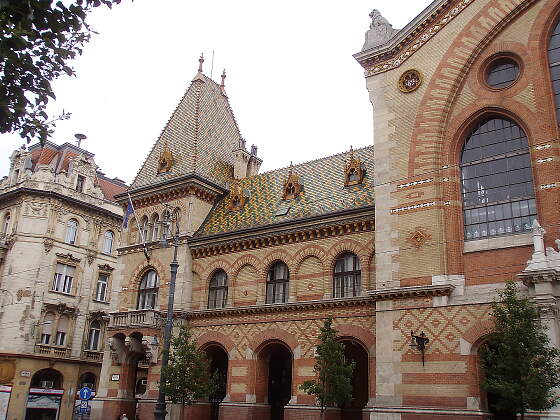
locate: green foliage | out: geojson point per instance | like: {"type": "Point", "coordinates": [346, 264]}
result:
{"type": "Point", "coordinates": [187, 376]}
{"type": "Point", "coordinates": [520, 365]}
{"type": "Point", "coordinates": [333, 387]}
{"type": "Point", "coordinates": [38, 38]}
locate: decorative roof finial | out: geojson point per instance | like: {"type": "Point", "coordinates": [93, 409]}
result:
{"type": "Point", "coordinates": [351, 152]}
{"type": "Point", "coordinates": [200, 60]}
{"type": "Point", "coordinates": [223, 84]}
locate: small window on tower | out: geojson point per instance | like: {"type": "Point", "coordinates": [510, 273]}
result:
{"type": "Point", "coordinates": [80, 183]}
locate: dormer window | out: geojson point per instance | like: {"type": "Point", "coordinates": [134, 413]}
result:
{"type": "Point", "coordinates": [237, 198]}
{"type": "Point", "coordinates": [292, 186]}
{"type": "Point", "coordinates": [354, 170]}
{"type": "Point", "coordinates": [80, 183]}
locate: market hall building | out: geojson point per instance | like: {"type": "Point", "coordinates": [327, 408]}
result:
{"type": "Point", "coordinates": [458, 194]}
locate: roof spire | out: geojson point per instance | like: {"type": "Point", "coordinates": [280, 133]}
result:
{"type": "Point", "coordinates": [200, 60]}
{"type": "Point", "coordinates": [222, 85]}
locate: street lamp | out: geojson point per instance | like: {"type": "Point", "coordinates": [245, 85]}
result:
{"type": "Point", "coordinates": [419, 342]}
{"type": "Point", "coordinates": [160, 410]}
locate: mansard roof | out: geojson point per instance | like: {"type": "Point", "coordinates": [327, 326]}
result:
{"type": "Point", "coordinates": [200, 135]}
{"type": "Point", "coordinates": [323, 192]}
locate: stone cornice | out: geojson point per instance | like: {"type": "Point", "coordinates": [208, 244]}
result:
{"type": "Point", "coordinates": [411, 38]}
{"type": "Point", "coordinates": [190, 184]}
{"type": "Point", "coordinates": [540, 276]}
{"type": "Point", "coordinates": [373, 296]}
{"type": "Point", "coordinates": [264, 239]}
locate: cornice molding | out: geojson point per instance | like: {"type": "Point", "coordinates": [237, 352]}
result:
{"type": "Point", "coordinates": [411, 38]}
{"type": "Point", "coordinates": [373, 296]}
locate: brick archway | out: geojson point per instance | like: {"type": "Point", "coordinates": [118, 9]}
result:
{"type": "Point", "coordinates": [215, 337]}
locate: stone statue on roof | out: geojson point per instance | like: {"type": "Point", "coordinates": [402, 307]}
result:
{"type": "Point", "coordinates": [380, 31]}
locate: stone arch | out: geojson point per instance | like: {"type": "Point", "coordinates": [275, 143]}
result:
{"type": "Point", "coordinates": [216, 264]}
{"type": "Point", "coordinates": [346, 245]}
{"type": "Point", "coordinates": [360, 334]}
{"type": "Point", "coordinates": [475, 335]}
{"type": "Point", "coordinates": [310, 282]}
{"type": "Point", "coordinates": [273, 335]}
{"type": "Point", "coordinates": [446, 81]}
{"type": "Point", "coordinates": [216, 337]}
{"type": "Point", "coordinates": [247, 259]}
{"type": "Point", "coordinates": [271, 257]}
{"type": "Point", "coordinates": [140, 269]}
{"type": "Point", "coordinates": [309, 250]}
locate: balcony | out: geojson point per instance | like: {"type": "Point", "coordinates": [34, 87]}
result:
{"type": "Point", "coordinates": [52, 351]}
{"type": "Point", "coordinates": [92, 355]}
{"type": "Point", "coordinates": [147, 318]}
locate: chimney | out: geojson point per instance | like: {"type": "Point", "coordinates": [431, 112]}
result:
{"type": "Point", "coordinates": [240, 160]}
{"type": "Point", "coordinates": [254, 162]}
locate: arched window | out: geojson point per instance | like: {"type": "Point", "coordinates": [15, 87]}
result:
{"type": "Point", "coordinates": [108, 242]}
{"type": "Point", "coordinates": [94, 335]}
{"type": "Point", "coordinates": [347, 276]}
{"type": "Point", "coordinates": [497, 182]}
{"type": "Point", "coordinates": [277, 283]}
{"type": "Point", "coordinates": [554, 62]}
{"type": "Point", "coordinates": [148, 291]}
{"type": "Point", "coordinates": [62, 330]}
{"type": "Point", "coordinates": [47, 378]}
{"type": "Point", "coordinates": [47, 327]}
{"type": "Point", "coordinates": [144, 229]}
{"type": "Point", "coordinates": [6, 224]}
{"type": "Point", "coordinates": [71, 231]}
{"type": "Point", "coordinates": [217, 294]}
{"type": "Point", "coordinates": [155, 227]}
{"type": "Point", "coordinates": [88, 379]}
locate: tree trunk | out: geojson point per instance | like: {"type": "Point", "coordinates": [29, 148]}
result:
{"type": "Point", "coordinates": [322, 413]}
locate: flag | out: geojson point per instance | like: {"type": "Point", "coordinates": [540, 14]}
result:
{"type": "Point", "coordinates": [127, 213]}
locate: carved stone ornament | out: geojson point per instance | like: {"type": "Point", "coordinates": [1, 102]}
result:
{"type": "Point", "coordinates": [67, 258]}
{"type": "Point", "coordinates": [409, 81]}
{"type": "Point", "coordinates": [380, 31]}
{"type": "Point", "coordinates": [98, 315]}
{"type": "Point", "coordinates": [419, 237]}
{"type": "Point", "coordinates": [292, 186]}
{"type": "Point", "coordinates": [90, 256]}
{"type": "Point", "coordinates": [237, 198]}
{"type": "Point", "coordinates": [48, 244]}
{"type": "Point", "coordinates": [105, 267]}
{"type": "Point", "coordinates": [354, 170]}
{"type": "Point", "coordinates": [60, 308]}
{"type": "Point", "coordinates": [165, 161]}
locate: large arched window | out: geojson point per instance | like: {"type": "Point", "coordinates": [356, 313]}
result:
{"type": "Point", "coordinates": [108, 242]}
{"type": "Point", "coordinates": [347, 276]}
{"type": "Point", "coordinates": [148, 291]}
{"type": "Point", "coordinates": [277, 283]}
{"type": "Point", "coordinates": [47, 378]}
{"type": "Point", "coordinates": [554, 62]}
{"type": "Point", "coordinates": [217, 293]}
{"type": "Point", "coordinates": [497, 183]}
{"type": "Point", "coordinates": [94, 335]}
{"type": "Point", "coordinates": [71, 231]}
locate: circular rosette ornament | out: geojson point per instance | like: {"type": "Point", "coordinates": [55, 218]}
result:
{"type": "Point", "coordinates": [409, 81]}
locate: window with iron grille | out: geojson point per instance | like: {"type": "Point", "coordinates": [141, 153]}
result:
{"type": "Point", "coordinates": [497, 181]}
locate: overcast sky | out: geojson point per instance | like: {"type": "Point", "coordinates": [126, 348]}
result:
{"type": "Point", "coordinates": [295, 89]}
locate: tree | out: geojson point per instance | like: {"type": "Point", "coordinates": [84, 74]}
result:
{"type": "Point", "coordinates": [333, 387]}
{"type": "Point", "coordinates": [37, 41]}
{"type": "Point", "coordinates": [520, 365]}
{"type": "Point", "coordinates": [187, 378]}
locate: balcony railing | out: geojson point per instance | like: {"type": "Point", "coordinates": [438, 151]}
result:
{"type": "Point", "coordinates": [142, 318]}
{"type": "Point", "coordinates": [93, 355]}
{"type": "Point", "coordinates": [46, 350]}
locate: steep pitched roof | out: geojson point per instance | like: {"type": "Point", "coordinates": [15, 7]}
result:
{"type": "Point", "coordinates": [201, 135]}
{"type": "Point", "coordinates": [323, 193]}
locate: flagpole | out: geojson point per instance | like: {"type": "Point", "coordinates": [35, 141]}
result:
{"type": "Point", "coordinates": [139, 230]}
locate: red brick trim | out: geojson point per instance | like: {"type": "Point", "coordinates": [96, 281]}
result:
{"type": "Point", "coordinates": [478, 332]}
{"type": "Point", "coordinates": [246, 259]}
{"type": "Point", "coordinates": [215, 337]}
{"type": "Point", "coordinates": [271, 257]}
{"type": "Point", "coordinates": [273, 335]}
{"type": "Point", "coordinates": [359, 334]}
{"type": "Point", "coordinates": [307, 251]}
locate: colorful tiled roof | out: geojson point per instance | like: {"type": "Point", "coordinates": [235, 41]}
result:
{"type": "Point", "coordinates": [323, 192]}
{"type": "Point", "coordinates": [201, 135]}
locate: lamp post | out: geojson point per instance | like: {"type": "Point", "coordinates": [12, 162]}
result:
{"type": "Point", "coordinates": [160, 409]}
{"type": "Point", "coordinates": [419, 342]}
